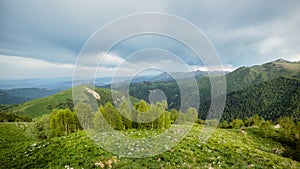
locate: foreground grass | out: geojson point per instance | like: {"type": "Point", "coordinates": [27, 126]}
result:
{"type": "Point", "coordinates": [225, 149]}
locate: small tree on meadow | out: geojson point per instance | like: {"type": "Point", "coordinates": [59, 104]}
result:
{"type": "Point", "coordinates": [126, 114]}
{"type": "Point", "coordinates": [237, 123]}
{"type": "Point", "coordinates": [99, 121]}
{"type": "Point", "coordinates": [85, 114]}
{"type": "Point", "coordinates": [266, 126]}
{"type": "Point", "coordinates": [112, 116]}
{"type": "Point", "coordinates": [191, 115]}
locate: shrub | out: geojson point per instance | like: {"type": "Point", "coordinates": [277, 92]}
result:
{"type": "Point", "coordinates": [237, 123]}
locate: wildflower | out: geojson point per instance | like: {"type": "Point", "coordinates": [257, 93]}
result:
{"type": "Point", "coordinates": [100, 164]}
{"type": "Point", "coordinates": [114, 158]}
{"type": "Point", "coordinates": [109, 163]}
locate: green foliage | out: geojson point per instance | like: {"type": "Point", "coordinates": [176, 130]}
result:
{"type": "Point", "coordinates": [112, 116]}
{"type": "Point", "coordinates": [61, 100]}
{"type": "Point", "coordinates": [143, 116]}
{"type": "Point", "coordinates": [173, 115]}
{"type": "Point", "coordinates": [270, 90]}
{"type": "Point", "coordinates": [266, 127]}
{"type": "Point", "coordinates": [237, 123]}
{"type": "Point", "coordinates": [224, 124]}
{"type": "Point", "coordinates": [125, 111]}
{"type": "Point", "coordinates": [287, 132]}
{"type": "Point", "coordinates": [287, 124]}
{"type": "Point", "coordinates": [84, 114]}
{"type": "Point", "coordinates": [247, 76]}
{"type": "Point", "coordinates": [256, 120]}
{"type": "Point", "coordinates": [191, 115]}
{"type": "Point", "coordinates": [12, 117]}
{"type": "Point", "coordinates": [142, 106]}
{"type": "Point", "coordinates": [271, 100]}
{"type": "Point", "coordinates": [171, 89]}
{"type": "Point", "coordinates": [166, 119]}
{"type": "Point", "coordinates": [63, 122]}
{"type": "Point", "coordinates": [181, 118]}
{"type": "Point", "coordinates": [99, 121]}
{"type": "Point", "coordinates": [41, 127]}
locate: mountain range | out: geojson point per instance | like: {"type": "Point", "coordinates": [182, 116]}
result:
{"type": "Point", "coordinates": [270, 90]}
{"type": "Point", "coordinates": [22, 90]}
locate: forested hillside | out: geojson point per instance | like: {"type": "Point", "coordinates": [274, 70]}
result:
{"type": "Point", "coordinates": [272, 99]}
{"type": "Point", "coordinates": [269, 90]}
{"type": "Point", "coordinates": [246, 76]}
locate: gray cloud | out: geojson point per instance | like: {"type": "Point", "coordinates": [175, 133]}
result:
{"type": "Point", "coordinates": [243, 32]}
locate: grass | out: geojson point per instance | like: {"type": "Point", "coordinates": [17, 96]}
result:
{"type": "Point", "coordinates": [226, 148]}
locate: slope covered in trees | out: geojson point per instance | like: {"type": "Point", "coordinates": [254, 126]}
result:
{"type": "Point", "coordinates": [268, 89]}
{"type": "Point", "coordinates": [271, 100]}
{"type": "Point", "coordinates": [246, 76]}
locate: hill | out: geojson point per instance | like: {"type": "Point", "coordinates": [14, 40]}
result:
{"type": "Point", "coordinates": [228, 148]}
{"type": "Point", "coordinates": [273, 75]}
{"type": "Point", "coordinates": [21, 95]}
{"type": "Point", "coordinates": [246, 76]}
{"type": "Point", "coordinates": [271, 99]}
{"type": "Point", "coordinates": [59, 100]}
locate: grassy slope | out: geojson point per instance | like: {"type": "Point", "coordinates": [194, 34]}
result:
{"type": "Point", "coordinates": [225, 149]}
{"type": "Point", "coordinates": [59, 100]}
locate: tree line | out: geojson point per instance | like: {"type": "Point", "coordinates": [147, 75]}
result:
{"type": "Point", "coordinates": [141, 115]}
{"type": "Point", "coordinates": [13, 117]}
{"type": "Point", "coordinates": [146, 116]}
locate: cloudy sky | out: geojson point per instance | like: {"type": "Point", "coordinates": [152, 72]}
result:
{"type": "Point", "coordinates": [43, 39]}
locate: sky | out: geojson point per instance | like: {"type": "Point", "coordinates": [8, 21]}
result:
{"type": "Point", "coordinates": [42, 39]}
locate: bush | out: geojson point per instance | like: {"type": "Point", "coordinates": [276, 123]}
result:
{"type": "Point", "coordinates": [13, 117]}
{"type": "Point", "coordinates": [224, 124]}
{"type": "Point", "coordinates": [237, 123]}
